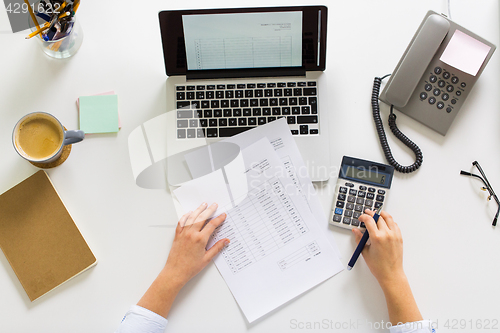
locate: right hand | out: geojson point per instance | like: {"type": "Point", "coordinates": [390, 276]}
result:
{"type": "Point", "coordinates": [384, 255]}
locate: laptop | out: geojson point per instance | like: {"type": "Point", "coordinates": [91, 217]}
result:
{"type": "Point", "coordinates": [230, 70]}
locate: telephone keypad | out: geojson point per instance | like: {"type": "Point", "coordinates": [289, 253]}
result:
{"type": "Point", "coordinates": [441, 83]}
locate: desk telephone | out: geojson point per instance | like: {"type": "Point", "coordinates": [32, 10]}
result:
{"type": "Point", "coordinates": [432, 80]}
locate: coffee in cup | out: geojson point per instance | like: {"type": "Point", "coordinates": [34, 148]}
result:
{"type": "Point", "coordinates": [39, 137]}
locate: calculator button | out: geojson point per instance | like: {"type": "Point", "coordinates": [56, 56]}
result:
{"type": "Point", "coordinates": [366, 207]}
{"type": "Point", "coordinates": [355, 222]}
{"type": "Point", "coordinates": [339, 211]}
{"type": "Point", "coordinates": [378, 205]}
{"type": "Point", "coordinates": [433, 78]}
{"type": "Point", "coordinates": [380, 198]}
{"type": "Point", "coordinates": [381, 192]}
{"type": "Point", "coordinates": [349, 184]}
{"type": "Point", "coordinates": [356, 215]}
{"type": "Point", "coordinates": [362, 188]}
{"type": "Point", "coordinates": [341, 197]}
{"type": "Point", "coordinates": [348, 213]}
{"type": "Point", "coordinates": [369, 203]}
{"type": "Point", "coordinates": [362, 225]}
{"type": "Point", "coordinates": [351, 199]}
{"type": "Point", "coordinates": [361, 194]}
{"type": "Point", "coordinates": [446, 75]}
{"type": "Point", "coordinates": [463, 84]}
{"type": "Point", "coordinates": [438, 70]}
{"type": "Point", "coordinates": [371, 190]}
{"type": "Point", "coordinates": [346, 220]}
{"type": "Point", "coordinates": [360, 201]}
{"type": "Point", "coordinates": [340, 204]}
{"type": "Point", "coordinates": [370, 196]}
{"type": "Point", "coordinates": [454, 80]}
{"type": "Point", "coordinates": [337, 218]}
{"type": "Point", "coordinates": [358, 208]}
{"type": "Point", "coordinates": [349, 206]}
{"type": "Point", "coordinates": [353, 192]}
{"type": "Point", "coordinates": [343, 190]}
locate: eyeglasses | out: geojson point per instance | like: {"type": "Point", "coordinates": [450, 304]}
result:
{"type": "Point", "coordinates": [487, 187]}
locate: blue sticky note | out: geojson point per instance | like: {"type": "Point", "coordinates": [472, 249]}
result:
{"type": "Point", "coordinates": [99, 114]}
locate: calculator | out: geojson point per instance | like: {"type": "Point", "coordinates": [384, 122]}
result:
{"type": "Point", "coordinates": [361, 185]}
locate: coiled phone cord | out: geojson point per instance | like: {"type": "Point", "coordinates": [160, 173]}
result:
{"type": "Point", "coordinates": [392, 124]}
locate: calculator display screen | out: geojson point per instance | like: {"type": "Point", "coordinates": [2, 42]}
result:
{"type": "Point", "coordinates": [366, 175]}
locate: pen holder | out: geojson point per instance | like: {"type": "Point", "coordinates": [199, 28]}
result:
{"type": "Point", "coordinates": [65, 46]}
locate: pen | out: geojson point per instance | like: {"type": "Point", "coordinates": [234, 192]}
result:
{"type": "Point", "coordinates": [362, 242]}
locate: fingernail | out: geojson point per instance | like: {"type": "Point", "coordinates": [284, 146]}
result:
{"type": "Point", "coordinates": [214, 205]}
{"type": "Point", "coordinates": [226, 243]}
{"type": "Point", "coordinates": [223, 214]}
{"type": "Point", "coordinates": [204, 204]}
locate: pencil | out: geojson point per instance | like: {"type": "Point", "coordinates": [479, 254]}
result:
{"type": "Point", "coordinates": [76, 6]}
{"type": "Point", "coordinates": [42, 29]}
{"type": "Point", "coordinates": [33, 17]}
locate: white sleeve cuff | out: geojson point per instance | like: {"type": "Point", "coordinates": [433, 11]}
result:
{"type": "Point", "coordinates": [139, 320]}
{"type": "Point", "coordinates": [423, 326]}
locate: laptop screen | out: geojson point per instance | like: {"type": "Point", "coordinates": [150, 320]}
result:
{"type": "Point", "coordinates": [233, 42]}
{"type": "Point", "coordinates": [243, 40]}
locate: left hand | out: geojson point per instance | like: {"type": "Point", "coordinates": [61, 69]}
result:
{"type": "Point", "coordinates": [188, 255]}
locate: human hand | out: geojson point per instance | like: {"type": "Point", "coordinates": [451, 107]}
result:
{"type": "Point", "coordinates": [188, 255]}
{"type": "Point", "coordinates": [384, 254]}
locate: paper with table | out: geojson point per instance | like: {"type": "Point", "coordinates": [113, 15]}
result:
{"type": "Point", "coordinates": [278, 249]}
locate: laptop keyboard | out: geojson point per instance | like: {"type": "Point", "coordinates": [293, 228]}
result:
{"type": "Point", "coordinates": [223, 110]}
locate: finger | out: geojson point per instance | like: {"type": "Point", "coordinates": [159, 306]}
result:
{"type": "Point", "coordinates": [357, 235]}
{"type": "Point", "coordinates": [370, 224]}
{"type": "Point", "coordinates": [388, 220]}
{"type": "Point", "coordinates": [213, 224]}
{"type": "Point", "coordinates": [182, 221]}
{"type": "Point", "coordinates": [204, 216]}
{"type": "Point", "coordinates": [194, 215]}
{"type": "Point", "coordinates": [216, 248]}
{"type": "Point", "coordinates": [381, 223]}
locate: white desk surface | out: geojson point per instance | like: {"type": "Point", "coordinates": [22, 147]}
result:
{"type": "Point", "coordinates": [451, 252]}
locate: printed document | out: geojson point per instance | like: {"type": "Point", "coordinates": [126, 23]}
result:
{"type": "Point", "coordinates": [278, 133]}
{"type": "Point", "coordinates": [278, 250]}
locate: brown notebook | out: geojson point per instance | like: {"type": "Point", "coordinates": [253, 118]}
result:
{"type": "Point", "coordinates": [39, 238]}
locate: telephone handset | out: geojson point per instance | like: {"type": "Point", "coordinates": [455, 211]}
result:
{"type": "Point", "coordinates": [431, 81]}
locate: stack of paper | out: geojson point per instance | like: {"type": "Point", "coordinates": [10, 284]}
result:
{"type": "Point", "coordinates": [279, 247]}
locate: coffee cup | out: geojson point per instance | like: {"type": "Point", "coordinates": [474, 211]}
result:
{"type": "Point", "coordinates": [39, 137]}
